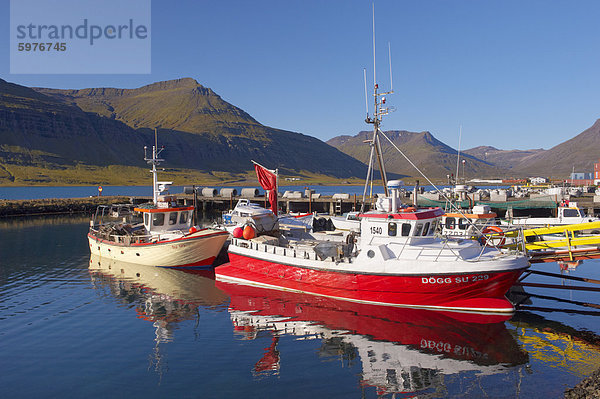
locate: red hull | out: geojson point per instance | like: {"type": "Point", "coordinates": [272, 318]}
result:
{"type": "Point", "coordinates": [202, 264]}
{"type": "Point", "coordinates": [465, 292]}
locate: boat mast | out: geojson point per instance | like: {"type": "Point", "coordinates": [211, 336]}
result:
{"type": "Point", "coordinates": [458, 154]}
{"type": "Point", "coordinates": [154, 161]}
{"type": "Point", "coordinates": [379, 111]}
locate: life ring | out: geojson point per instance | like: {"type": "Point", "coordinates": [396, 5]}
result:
{"type": "Point", "coordinates": [409, 209]}
{"type": "Point", "coordinates": [497, 232]}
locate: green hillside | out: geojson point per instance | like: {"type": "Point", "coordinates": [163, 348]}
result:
{"type": "Point", "coordinates": [90, 136]}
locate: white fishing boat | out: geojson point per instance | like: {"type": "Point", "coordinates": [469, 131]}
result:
{"type": "Point", "coordinates": [566, 214]}
{"type": "Point", "coordinates": [349, 221]}
{"type": "Point", "coordinates": [260, 219]}
{"type": "Point", "coordinates": [395, 260]}
{"type": "Point", "coordinates": [249, 213]}
{"type": "Point", "coordinates": [163, 237]}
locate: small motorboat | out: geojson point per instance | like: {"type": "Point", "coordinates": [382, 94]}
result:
{"type": "Point", "coordinates": [163, 236]}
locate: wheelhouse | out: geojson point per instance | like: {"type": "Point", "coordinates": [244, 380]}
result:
{"type": "Point", "coordinates": [416, 224]}
{"type": "Point", "coordinates": [165, 216]}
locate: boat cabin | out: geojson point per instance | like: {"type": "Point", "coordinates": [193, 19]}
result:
{"type": "Point", "coordinates": [571, 211]}
{"type": "Point", "coordinates": [468, 223]}
{"type": "Point", "coordinates": [166, 215]}
{"type": "Point", "coordinates": [408, 222]}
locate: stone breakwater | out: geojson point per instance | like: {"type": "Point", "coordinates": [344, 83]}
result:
{"type": "Point", "coordinates": [588, 388]}
{"type": "Point", "coordinates": [55, 206]}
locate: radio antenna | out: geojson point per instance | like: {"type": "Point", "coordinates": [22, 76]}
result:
{"type": "Point", "coordinates": [366, 95]}
{"type": "Point", "coordinates": [390, 58]}
{"type": "Point", "coordinates": [374, 69]}
{"type": "Point", "coordinates": [458, 153]}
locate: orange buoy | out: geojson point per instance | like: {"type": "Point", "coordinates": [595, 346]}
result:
{"type": "Point", "coordinates": [498, 234]}
{"type": "Point", "coordinates": [193, 229]}
{"type": "Point", "coordinates": [249, 232]}
{"type": "Point", "coordinates": [238, 232]}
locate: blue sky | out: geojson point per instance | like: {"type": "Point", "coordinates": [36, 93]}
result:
{"type": "Point", "coordinates": [515, 74]}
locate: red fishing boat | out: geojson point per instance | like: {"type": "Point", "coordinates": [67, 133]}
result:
{"type": "Point", "coordinates": [395, 259]}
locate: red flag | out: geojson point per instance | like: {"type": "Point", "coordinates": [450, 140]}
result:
{"type": "Point", "coordinates": [268, 181]}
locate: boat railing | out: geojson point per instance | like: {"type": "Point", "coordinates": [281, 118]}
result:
{"type": "Point", "coordinates": [410, 241]}
{"type": "Point", "coordinates": [519, 243]}
{"type": "Point", "coordinates": [292, 252]}
{"type": "Point", "coordinates": [446, 245]}
{"type": "Point", "coordinates": [131, 239]}
{"type": "Point", "coordinates": [125, 239]}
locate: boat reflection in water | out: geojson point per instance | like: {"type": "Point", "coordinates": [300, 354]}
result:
{"type": "Point", "coordinates": [401, 350]}
{"type": "Point", "coordinates": [162, 296]}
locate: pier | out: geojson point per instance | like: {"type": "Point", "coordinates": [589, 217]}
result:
{"type": "Point", "coordinates": [208, 200]}
{"type": "Point", "coordinates": [339, 203]}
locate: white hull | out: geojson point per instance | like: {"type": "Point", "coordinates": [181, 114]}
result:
{"type": "Point", "coordinates": [428, 258]}
{"type": "Point", "coordinates": [341, 223]}
{"type": "Point", "coordinates": [547, 222]}
{"type": "Point", "coordinates": [194, 250]}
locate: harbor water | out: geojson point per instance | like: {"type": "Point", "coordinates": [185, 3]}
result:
{"type": "Point", "coordinates": [76, 326]}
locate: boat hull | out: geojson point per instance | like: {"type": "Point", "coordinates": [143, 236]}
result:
{"type": "Point", "coordinates": [481, 291]}
{"type": "Point", "coordinates": [197, 250]}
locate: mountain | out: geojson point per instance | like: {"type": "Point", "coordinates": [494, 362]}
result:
{"type": "Point", "coordinates": [39, 134]}
{"type": "Point", "coordinates": [68, 135]}
{"type": "Point", "coordinates": [180, 105]}
{"type": "Point", "coordinates": [96, 135]}
{"type": "Point", "coordinates": [512, 160]}
{"type": "Point", "coordinates": [434, 158]}
{"type": "Point", "coordinates": [580, 152]}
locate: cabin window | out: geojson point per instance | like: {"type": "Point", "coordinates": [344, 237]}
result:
{"type": "Point", "coordinates": [418, 229]}
{"type": "Point", "coordinates": [433, 226]}
{"type": "Point", "coordinates": [172, 218]}
{"type": "Point", "coordinates": [146, 219]}
{"type": "Point", "coordinates": [183, 218]}
{"type": "Point", "coordinates": [392, 229]}
{"type": "Point", "coordinates": [158, 219]}
{"type": "Point", "coordinates": [426, 229]}
{"type": "Point", "coordinates": [571, 213]}
{"type": "Point", "coordinates": [405, 229]}
{"type": "Point", "coordinates": [462, 224]}
{"type": "Point", "coordinates": [450, 223]}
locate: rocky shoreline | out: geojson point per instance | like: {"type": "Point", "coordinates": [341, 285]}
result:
{"type": "Point", "coordinates": [588, 388]}
{"type": "Point", "coordinates": [55, 206]}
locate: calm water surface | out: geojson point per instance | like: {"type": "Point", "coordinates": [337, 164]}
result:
{"type": "Point", "coordinates": [75, 326]}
